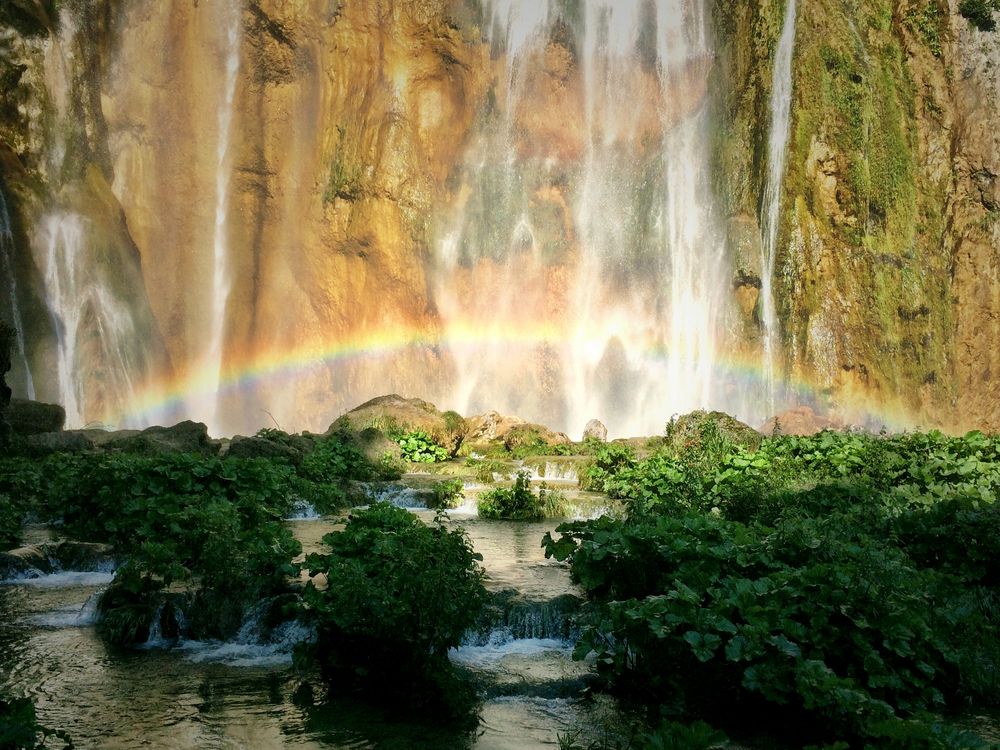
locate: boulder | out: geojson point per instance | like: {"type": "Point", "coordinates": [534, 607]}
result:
{"type": "Point", "coordinates": [34, 417]}
{"type": "Point", "coordinates": [491, 429]}
{"type": "Point", "coordinates": [394, 414]}
{"type": "Point", "coordinates": [801, 420]}
{"type": "Point", "coordinates": [74, 441]}
{"type": "Point", "coordinates": [595, 430]}
{"type": "Point", "coordinates": [260, 447]}
{"type": "Point", "coordinates": [183, 437]}
{"type": "Point", "coordinates": [691, 430]}
{"type": "Point", "coordinates": [51, 557]}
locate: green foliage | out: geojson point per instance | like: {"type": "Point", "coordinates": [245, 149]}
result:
{"type": "Point", "coordinates": [926, 21]}
{"type": "Point", "coordinates": [19, 728]}
{"type": "Point", "coordinates": [980, 13]}
{"type": "Point", "coordinates": [20, 484]}
{"type": "Point", "coordinates": [487, 469]}
{"type": "Point", "coordinates": [447, 494]}
{"type": "Point", "coordinates": [335, 459]}
{"type": "Point", "coordinates": [609, 460]}
{"type": "Point", "coordinates": [345, 180]}
{"type": "Point", "coordinates": [11, 519]}
{"type": "Point", "coordinates": [398, 594]}
{"type": "Point", "coordinates": [420, 447]}
{"type": "Point", "coordinates": [842, 584]}
{"type": "Point", "coordinates": [519, 503]}
{"type": "Point", "coordinates": [213, 524]}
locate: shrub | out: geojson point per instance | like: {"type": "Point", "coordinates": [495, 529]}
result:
{"type": "Point", "coordinates": [214, 524]}
{"type": "Point", "coordinates": [519, 503]}
{"type": "Point", "coordinates": [420, 447]}
{"type": "Point", "coordinates": [398, 594]}
{"type": "Point", "coordinates": [818, 620]}
{"type": "Point", "coordinates": [980, 13]}
{"type": "Point", "coordinates": [447, 494]}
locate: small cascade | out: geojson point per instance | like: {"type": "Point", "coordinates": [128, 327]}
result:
{"type": "Point", "coordinates": [8, 268]}
{"type": "Point", "coordinates": [156, 639]}
{"type": "Point", "coordinates": [207, 403]}
{"type": "Point", "coordinates": [94, 328]}
{"type": "Point", "coordinates": [781, 102]}
{"type": "Point", "coordinates": [511, 617]}
{"type": "Point", "coordinates": [256, 644]}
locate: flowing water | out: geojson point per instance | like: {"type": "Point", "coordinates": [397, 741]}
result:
{"type": "Point", "coordinates": [8, 268]}
{"type": "Point", "coordinates": [244, 693]}
{"type": "Point", "coordinates": [781, 104]}
{"type": "Point", "coordinates": [591, 262]}
{"type": "Point", "coordinates": [207, 398]}
{"type": "Point", "coordinates": [95, 333]}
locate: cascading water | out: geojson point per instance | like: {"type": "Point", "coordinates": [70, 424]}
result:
{"type": "Point", "coordinates": [94, 329]}
{"type": "Point", "coordinates": [598, 243]}
{"type": "Point", "coordinates": [781, 103]}
{"type": "Point", "coordinates": [7, 265]}
{"type": "Point", "coordinates": [651, 276]}
{"type": "Point", "coordinates": [206, 406]}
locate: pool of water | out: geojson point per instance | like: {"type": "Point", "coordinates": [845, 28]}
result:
{"type": "Point", "coordinates": [246, 694]}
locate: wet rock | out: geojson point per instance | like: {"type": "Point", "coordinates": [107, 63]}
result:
{"type": "Point", "coordinates": [492, 429]}
{"type": "Point", "coordinates": [394, 413]}
{"type": "Point", "coordinates": [595, 430]}
{"type": "Point", "coordinates": [53, 557]}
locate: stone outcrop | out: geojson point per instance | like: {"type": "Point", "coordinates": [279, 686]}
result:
{"type": "Point", "coordinates": [183, 437]}
{"type": "Point", "coordinates": [395, 414]}
{"type": "Point", "coordinates": [595, 430]}
{"type": "Point", "coordinates": [34, 417]}
{"type": "Point", "coordinates": [801, 420]}
{"type": "Point", "coordinates": [690, 431]}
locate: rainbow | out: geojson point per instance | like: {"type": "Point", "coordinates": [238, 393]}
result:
{"type": "Point", "coordinates": [170, 395]}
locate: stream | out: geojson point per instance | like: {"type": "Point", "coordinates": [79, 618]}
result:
{"type": "Point", "coordinates": [245, 693]}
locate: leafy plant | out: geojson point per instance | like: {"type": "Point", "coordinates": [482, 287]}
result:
{"type": "Point", "coordinates": [447, 494]}
{"type": "Point", "coordinates": [980, 13]}
{"type": "Point", "coordinates": [19, 727]}
{"type": "Point", "coordinates": [420, 447]}
{"type": "Point", "coordinates": [519, 503]}
{"type": "Point", "coordinates": [398, 594]}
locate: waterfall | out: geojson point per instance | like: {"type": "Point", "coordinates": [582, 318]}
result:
{"type": "Point", "coordinates": [781, 101]}
{"type": "Point", "coordinates": [8, 267]}
{"type": "Point", "coordinates": [94, 328]}
{"type": "Point", "coordinates": [597, 244]}
{"type": "Point", "coordinates": [207, 405]}
{"type": "Point", "coordinates": [652, 275]}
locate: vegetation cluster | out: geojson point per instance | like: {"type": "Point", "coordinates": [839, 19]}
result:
{"type": "Point", "coordinates": [389, 599]}
{"type": "Point", "coordinates": [841, 586]}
